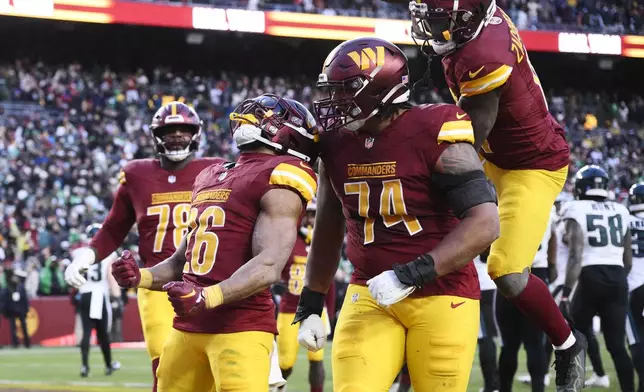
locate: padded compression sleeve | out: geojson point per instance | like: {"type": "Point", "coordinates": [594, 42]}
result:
{"type": "Point", "coordinates": [464, 191]}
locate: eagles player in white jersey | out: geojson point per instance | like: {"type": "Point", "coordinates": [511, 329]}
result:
{"type": "Point", "coordinates": [597, 231]}
{"type": "Point", "coordinates": [487, 328]}
{"type": "Point", "coordinates": [516, 329]}
{"type": "Point", "coordinates": [635, 321]}
{"type": "Point", "coordinates": [96, 309]}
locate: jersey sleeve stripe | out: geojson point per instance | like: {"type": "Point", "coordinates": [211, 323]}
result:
{"type": "Point", "coordinates": [456, 131]}
{"type": "Point", "coordinates": [296, 178]}
{"type": "Point", "coordinates": [486, 83]}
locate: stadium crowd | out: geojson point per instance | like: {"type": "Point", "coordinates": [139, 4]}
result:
{"type": "Point", "coordinates": [615, 17]}
{"type": "Point", "coordinates": [66, 131]}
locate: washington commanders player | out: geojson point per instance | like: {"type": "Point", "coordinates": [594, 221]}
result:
{"type": "Point", "coordinates": [154, 194]}
{"type": "Point", "coordinates": [410, 188]}
{"type": "Point", "coordinates": [293, 275]}
{"type": "Point", "coordinates": [244, 218]}
{"type": "Point", "coordinates": [525, 153]}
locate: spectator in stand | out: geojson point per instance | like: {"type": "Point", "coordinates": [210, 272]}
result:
{"type": "Point", "coordinates": [51, 278]}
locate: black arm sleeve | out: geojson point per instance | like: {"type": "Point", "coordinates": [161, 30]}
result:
{"type": "Point", "coordinates": [466, 190]}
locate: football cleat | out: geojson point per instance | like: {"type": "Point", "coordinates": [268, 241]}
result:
{"type": "Point", "coordinates": [598, 382]}
{"type": "Point", "coordinates": [84, 371]}
{"type": "Point", "coordinates": [570, 365]}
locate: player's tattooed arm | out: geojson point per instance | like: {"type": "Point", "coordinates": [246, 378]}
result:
{"type": "Point", "coordinates": [483, 110]}
{"type": "Point", "coordinates": [459, 174]}
{"type": "Point", "coordinates": [575, 237]}
{"type": "Point", "coordinates": [627, 258]}
{"type": "Point", "coordinates": [328, 234]}
{"type": "Point", "coordinates": [170, 269]}
{"type": "Point", "coordinates": [552, 255]}
{"type": "Point", "coordinates": [273, 240]}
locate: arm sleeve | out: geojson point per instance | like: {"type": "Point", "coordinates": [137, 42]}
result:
{"type": "Point", "coordinates": [117, 225]}
{"type": "Point", "coordinates": [299, 178]}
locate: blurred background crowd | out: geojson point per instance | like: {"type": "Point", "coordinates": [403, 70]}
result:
{"type": "Point", "coordinates": [615, 17]}
{"type": "Point", "coordinates": [65, 132]}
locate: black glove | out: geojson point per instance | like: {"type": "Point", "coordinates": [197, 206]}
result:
{"type": "Point", "coordinates": [311, 302]}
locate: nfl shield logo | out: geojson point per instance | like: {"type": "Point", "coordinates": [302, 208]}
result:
{"type": "Point", "coordinates": [172, 179]}
{"type": "Point", "coordinates": [368, 143]}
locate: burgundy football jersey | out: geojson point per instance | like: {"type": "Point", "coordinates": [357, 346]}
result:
{"type": "Point", "coordinates": [525, 135]}
{"type": "Point", "coordinates": [393, 212]}
{"type": "Point", "coordinates": [158, 201]}
{"type": "Point", "coordinates": [293, 275]}
{"type": "Point", "coordinates": [225, 206]}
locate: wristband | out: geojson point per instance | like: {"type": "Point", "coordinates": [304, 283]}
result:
{"type": "Point", "coordinates": [146, 279]}
{"type": "Point", "coordinates": [213, 296]}
{"type": "Point", "coordinates": [416, 273]}
{"type": "Point", "coordinates": [311, 302]}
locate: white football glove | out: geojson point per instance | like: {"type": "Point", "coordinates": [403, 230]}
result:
{"type": "Point", "coordinates": [312, 334]}
{"type": "Point", "coordinates": [74, 274]}
{"type": "Point", "coordinates": [275, 378]}
{"type": "Point", "coordinates": [387, 289]}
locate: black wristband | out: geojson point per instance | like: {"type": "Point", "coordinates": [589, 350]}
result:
{"type": "Point", "coordinates": [416, 273]}
{"type": "Point", "coordinates": [311, 302]}
{"type": "Point", "coordinates": [565, 292]}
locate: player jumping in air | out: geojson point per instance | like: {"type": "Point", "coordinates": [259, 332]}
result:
{"type": "Point", "coordinates": [525, 153]}
{"type": "Point", "coordinates": [244, 218]}
{"type": "Point", "coordinates": [408, 185]}
{"type": "Point", "coordinates": [154, 194]}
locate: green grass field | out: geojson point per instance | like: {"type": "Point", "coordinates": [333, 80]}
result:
{"type": "Point", "coordinates": [57, 369]}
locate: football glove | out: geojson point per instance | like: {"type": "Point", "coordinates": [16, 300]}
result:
{"type": "Point", "coordinates": [186, 298]}
{"type": "Point", "coordinates": [125, 271]}
{"type": "Point", "coordinates": [387, 289]}
{"type": "Point", "coordinates": [75, 272]}
{"type": "Point", "coordinates": [312, 333]}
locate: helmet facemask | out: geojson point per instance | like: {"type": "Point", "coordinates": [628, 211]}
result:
{"type": "Point", "coordinates": [164, 143]}
{"type": "Point", "coordinates": [444, 29]}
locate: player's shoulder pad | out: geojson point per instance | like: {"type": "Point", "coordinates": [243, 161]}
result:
{"type": "Point", "coordinates": [575, 210]}
{"type": "Point", "coordinates": [447, 123]}
{"type": "Point", "coordinates": [486, 63]}
{"type": "Point", "coordinates": [137, 168]}
{"type": "Point", "coordinates": [295, 174]}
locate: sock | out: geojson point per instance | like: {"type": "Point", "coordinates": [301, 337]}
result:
{"type": "Point", "coordinates": [568, 343]}
{"type": "Point", "coordinates": [155, 366]}
{"type": "Point", "coordinates": [538, 305]}
{"type": "Point", "coordinates": [404, 379]}
{"type": "Point", "coordinates": [316, 389]}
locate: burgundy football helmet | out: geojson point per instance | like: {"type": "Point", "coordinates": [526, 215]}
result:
{"type": "Point", "coordinates": [171, 115]}
{"type": "Point", "coordinates": [282, 124]}
{"type": "Point", "coordinates": [448, 24]}
{"type": "Point", "coordinates": [362, 76]}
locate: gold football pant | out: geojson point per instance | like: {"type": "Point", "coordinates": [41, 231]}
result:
{"type": "Point", "coordinates": [287, 343]}
{"type": "Point", "coordinates": [437, 333]}
{"type": "Point", "coordinates": [526, 198]}
{"type": "Point", "coordinates": [156, 319]}
{"type": "Point", "coordinates": [227, 362]}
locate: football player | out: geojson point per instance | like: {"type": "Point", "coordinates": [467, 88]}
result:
{"type": "Point", "coordinates": [244, 218]}
{"type": "Point", "coordinates": [635, 321]}
{"type": "Point", "coordinates": [600, 257]}
{"type": "Point", "coordinates": [408, 185]}
{"type": "Point", "coordinates": [154, 194]}
{"type": "Point", "coordinates": [523, 148]}
{"type": "Point", "coordinates": [293, 275]}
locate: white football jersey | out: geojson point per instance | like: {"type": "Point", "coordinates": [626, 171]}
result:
{"type": "Point", "coordinates": [636, 276]}
{"type": "Point", "coordinates": [541, 257]}
{"type": "Point", "coordinates": [97, 277]}
{"type": "Point", "coordinates": [485, 281]}
{"type": "Point", "coordinates": [604, 225]}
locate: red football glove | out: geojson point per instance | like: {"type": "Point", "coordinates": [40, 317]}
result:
{"type": "Point", "coordinates": [186, 298]}
{"type": "Point", "coordinates": [126, 271]}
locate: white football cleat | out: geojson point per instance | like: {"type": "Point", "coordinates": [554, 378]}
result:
{"type": "Point", "coordinates": [598, 382]}
{"type": "Point", "coordinates": [524, 379]}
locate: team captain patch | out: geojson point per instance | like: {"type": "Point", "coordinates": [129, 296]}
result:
{"type": "Point", "coordinates": [295, 178]}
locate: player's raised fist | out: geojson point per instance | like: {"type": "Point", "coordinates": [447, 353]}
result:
{"type": "Point", "coordinates": [126, 271]}
{"type": "Point", "coordinates": [186, 298]}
